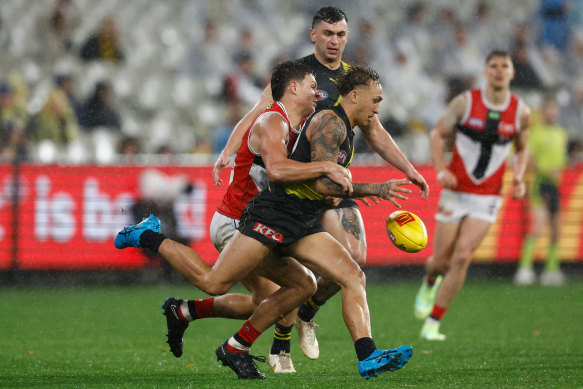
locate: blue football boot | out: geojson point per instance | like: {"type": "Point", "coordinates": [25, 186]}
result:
{"type": "Point", "coordinates": [384, 360]}
{"type": "Point", "coordinates": [130, 236]}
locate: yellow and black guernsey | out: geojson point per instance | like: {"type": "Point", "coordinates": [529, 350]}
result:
{"type": "Point", "coordinates": [286, 212]}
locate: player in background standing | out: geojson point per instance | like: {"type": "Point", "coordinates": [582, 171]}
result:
{"type": "Point", "coordinates": [486, 123]}
{"type": "Point", "coordinates": [548, 151]}
{"type": "Point", "coordinates": [274, 130]}
{"type": "Point", "coordinates": [329, 33]}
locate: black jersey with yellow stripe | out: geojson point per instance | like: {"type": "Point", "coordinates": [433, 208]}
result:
{"type": "Point", "coordinates": [326, 80]}
{"type": "Point", "coordinates": [302, 153]}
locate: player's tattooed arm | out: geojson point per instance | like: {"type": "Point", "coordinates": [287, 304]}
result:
{"type": "Point", "coordinates": [326, 133]}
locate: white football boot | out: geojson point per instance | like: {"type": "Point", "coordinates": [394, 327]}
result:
{"type": "Point", "coordinates": [307, 338]}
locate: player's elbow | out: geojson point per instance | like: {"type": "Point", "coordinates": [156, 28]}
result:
{"type": "Point", "coordinates": [276, 173]}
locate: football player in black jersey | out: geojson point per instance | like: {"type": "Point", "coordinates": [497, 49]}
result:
{"type": "Point", "coordinates": [285, 220]}
{"type": "Point", "coordinates": [329, 33]}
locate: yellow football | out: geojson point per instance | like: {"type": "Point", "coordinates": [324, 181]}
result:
{"type": "Point", "coordinates": [407, 231]}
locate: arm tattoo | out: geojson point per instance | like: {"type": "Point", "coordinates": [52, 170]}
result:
{"type": "Point", "coordinates": [327, 135]}
{"type": "Point", "coordinates": [369, 189]}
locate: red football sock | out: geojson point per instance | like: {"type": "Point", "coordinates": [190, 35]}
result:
{"type": "Point", "coordinates": [204, 308]}
{"type": "Point", "coordinates": [430, 280]}
{"type": "Point", "coordinates": [243, 339]}
{"type": "Point", "coordinates": [438, 312]}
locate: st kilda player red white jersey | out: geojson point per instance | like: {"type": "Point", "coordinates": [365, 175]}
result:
{"type": "Point", "coordinates": [249, 176]}
{"type": "Point", "coordinates": [483, 141]}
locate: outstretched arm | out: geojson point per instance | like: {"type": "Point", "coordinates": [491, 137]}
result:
{"type": "Point", "coordinates": [382, 142]}
{"type": "Point", "coordinates": [235, 139]}
{"type": "Point", "coordinates": [326, 133]}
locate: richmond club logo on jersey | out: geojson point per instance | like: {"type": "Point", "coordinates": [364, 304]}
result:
{"type": "Point", "coordinates": [268, 232]}
{"type": "Point", "coordinates": [342, 156]}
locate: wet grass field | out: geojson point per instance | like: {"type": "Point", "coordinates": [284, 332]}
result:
{"type": "Point", "coordinates": [499, 335]}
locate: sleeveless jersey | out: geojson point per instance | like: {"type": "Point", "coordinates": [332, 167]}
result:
{"type": "Point", "coordinates": [249, 175]}
{"type": "Point", "coordinates": [302, 153]}
{"type": "Point", "coordinates": [326, 80]}
{"type": "Point", "coordinates": [482, 143]}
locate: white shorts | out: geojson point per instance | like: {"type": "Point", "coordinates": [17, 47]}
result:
{"type": "Point", "coordinates": [454, 206]}
{"type": "Point", "coordinates": [222, 230]}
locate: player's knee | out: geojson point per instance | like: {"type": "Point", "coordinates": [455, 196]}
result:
{"type": "Point", "coordinates": [307, 285]}
{"type": "Point", "coordinates": [217, 289]}
{"type": "Point", "coordinates": [436, 266]}
{"type": "Point", "coordinates": [357, 279]}
{"type": "Point", "coordinates": [461, 258]}
{"type": "Point", "coordinates": [358, 254]}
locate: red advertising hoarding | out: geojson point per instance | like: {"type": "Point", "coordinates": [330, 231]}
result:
{"type": "Point", "coordinates": [68, 216]}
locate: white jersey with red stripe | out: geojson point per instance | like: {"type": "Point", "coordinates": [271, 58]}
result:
{"type": "Point", "coordinates": [483, 141]}
{"type": "Point", "coordinates": [249, 176]}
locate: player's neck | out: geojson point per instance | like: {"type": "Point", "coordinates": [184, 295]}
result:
{"type": "Point", "coordinates": [330, 65]}
{"type": "Point", "coordinates": [293, 113]}
{"type": "Point", "coordinates": [349, 113]}
{"type": "Point", "coordinates": [496, 96]}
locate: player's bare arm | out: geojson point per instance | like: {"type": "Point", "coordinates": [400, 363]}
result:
{"type": "Point", "coordinates": [521, 154]}
{"type": "Point", "coordinates": [236, 136]}
{"type": "Point", "coordinates": [269, 136]}
{"type": "Point", "coordinates": [327, 132]}
{"type": "Point", "coordinates": [382, 143]}
{"type": "Point", "coordinates": [442, 130]}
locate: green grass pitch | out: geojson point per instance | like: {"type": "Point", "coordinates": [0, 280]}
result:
{"type": "Point", "coordinates": [499, 336]}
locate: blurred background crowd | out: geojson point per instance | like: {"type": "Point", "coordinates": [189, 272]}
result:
{"type": "Point", "coordinates": [113, 81]}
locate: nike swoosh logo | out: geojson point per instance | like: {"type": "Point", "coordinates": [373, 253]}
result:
{"type": "Point", "coordinates": [173, 309]}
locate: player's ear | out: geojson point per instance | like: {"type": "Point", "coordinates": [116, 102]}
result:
{"type": "Point", "coordinates": [293, 87]}
{"type": "Point", "coordinates": [313, 35]}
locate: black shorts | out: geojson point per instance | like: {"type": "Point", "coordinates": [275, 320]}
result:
{"type": "Point", "coordinates": [280, 220]}
{"type": "Point", "coordinates": [345, 203]}
{"type": "Point", "coordinates": [550, 195]}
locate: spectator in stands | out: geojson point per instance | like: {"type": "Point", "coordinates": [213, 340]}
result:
{"type": "Point", "coordinates": [13, 142]}
{"type": "Point", "coordinates": [129, 148]}
{"type": "Point", "coordinates": [554, 27]}
{"type": "Point", "coordinates": [55, 31]}
{"type": "Point", "coordinates": [489, 32]}
{"type": "Point", "coordinates": [525, 76]}
{"type": "Point", "coordinates": [442, 33]}
{"type": "Point", "coordinates": [574, 64]}
{"type": "Point", "coordinates": [98, 110]}
{"type": "Point", "coordinates": [572, 112]}
{"type": "Point", "coordinates": [208, 57]}
{"type": "Point", "coordinates": [67, 84]}
{"type": "Point", "coordinates": [462, 57]}
{"type": "Point", "coordinates": [11, 111]}
{"type": "Point", "coordinates": [413, 31]}
{"type": "Point", "coordinates": [223, 132]}
{"type": "Point", "coordinates": [242, 83]}
{"type": "Point", "coordinates": [103, 45]}
{"type": "Point", "coordinates": [57, 121]}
